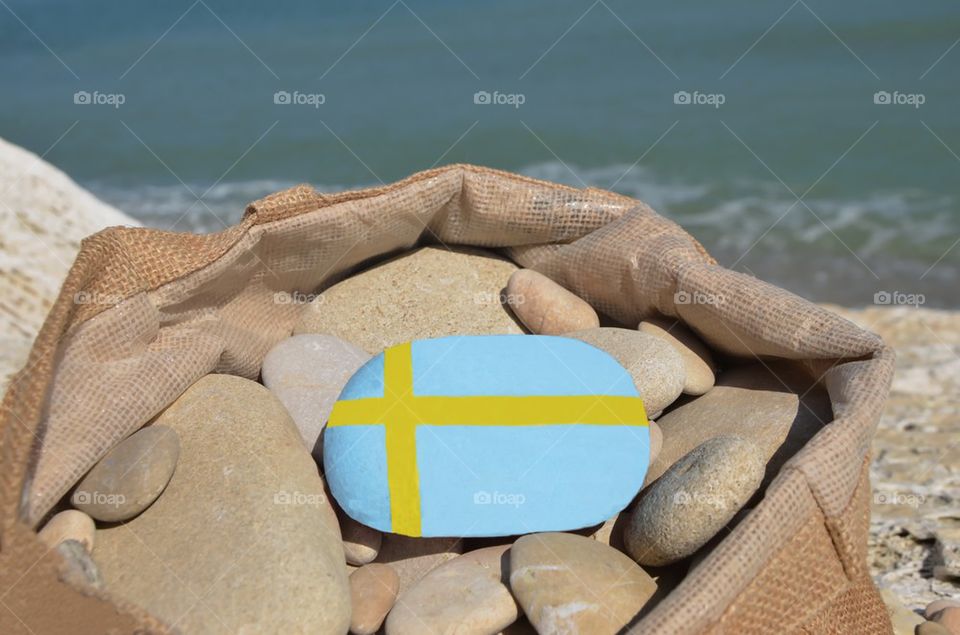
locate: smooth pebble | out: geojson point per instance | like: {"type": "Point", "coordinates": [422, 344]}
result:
{"type": "Point", "coordinates": [373, 591]}
{"type": "Point", "coordinates": [545, 307]}
{"type": "Point", "coordinates": [697, 360]}
{"type": "Point", "coordinates": [70, 524]}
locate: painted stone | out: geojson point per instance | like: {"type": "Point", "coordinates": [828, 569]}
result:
{"type": "Point", "coordinates": [487, 436]}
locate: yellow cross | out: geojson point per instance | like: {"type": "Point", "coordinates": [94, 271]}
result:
{"type": "Point", "coordinates": [400, 412]}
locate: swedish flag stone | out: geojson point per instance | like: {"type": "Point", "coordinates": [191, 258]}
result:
{"type": "Point", "coordinates": [487, 436]}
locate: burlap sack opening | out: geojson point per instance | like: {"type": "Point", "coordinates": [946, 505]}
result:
{"type": "Point", "coordinates": [143, 314]}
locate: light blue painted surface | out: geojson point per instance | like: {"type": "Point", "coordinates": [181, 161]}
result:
{"type": "Point", "coordinates": [355, 466]}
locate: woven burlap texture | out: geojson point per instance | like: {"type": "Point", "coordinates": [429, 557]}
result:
{"type": "Point", "coordinates": [143, 314]}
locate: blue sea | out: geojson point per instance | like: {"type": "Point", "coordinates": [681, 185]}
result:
{"type": "Point", "coordinates": [813, 144]}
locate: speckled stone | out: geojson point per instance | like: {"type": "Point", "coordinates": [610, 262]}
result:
{"type": "Point", "coordinates": [466, 595]}
{"type": "Point", "coordinates": [545, 307]}
{"type": "Point", "coordinates": [373, 591]}
{"type": "Point", "coordinates": [430, 292]}
{"type": "Point", "coordinates": [693, 500]}
{"type": "Point", "coordinates": [130, 477]}
{"type": "Point", "coordinates": [697, 360]}
{"type": "Point", "coordinates": [655, 365]}
{"type": "Point", "coordinates": [574, 584]}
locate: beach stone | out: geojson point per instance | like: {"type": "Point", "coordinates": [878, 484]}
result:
{"type": "Point", "coordinates": [938, 605]}
{"type": "Point", "coordinates": [656, 367]}
{"type": "Point", "coordinates": [307, 373]}
{"type": "Point", "coordinates": [78, 568]}
{"type": "Point", "coordinates": [466, 595]}
{"type": "Point", "coordinates": [698, 362]}
{"type": "Point", "coordinates": [573, 584]}
{"type": "Point", "coordinates": [545, 307]}
{"type": "Point", "coordinates": [756, 402]}
{"type": "Point", "coordinates": [244, 524]}
{"type": "Point", "coordinates": [656, 440]}
{"type": "Point", "coordinates": [360, 543]}
{"type": "Point", "coordinates": [131, 475]}
{"type": "Point", "coordinates": [949, 618]}
{"type": "Point", "coordinates": [693, 500]}
{"type": "Point", "coordinates": [373, 591]}
{"type": "Point", "coordinates": [70, 524]}
{"type": "Point", "coordinates": [430, 292]}
{"type": "Point", "coordinates": [933, 628]}
{"type": "Point", "coordinates": [490, 467]}
{"type": "Point", "coordinates": [413, 558]}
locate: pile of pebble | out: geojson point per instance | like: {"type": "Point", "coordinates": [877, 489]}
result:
{"type": "Point", "coordinates": [215, 516]}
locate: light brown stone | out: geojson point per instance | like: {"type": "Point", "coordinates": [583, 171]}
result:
{"type": "Point", "coordinates": [573, 584]}
{"type": "Point", "coordinates": [373, 591]}
{"type": "Point", "coordinates": [545, 307]}
{"type": "Point", "coordinates": [70, 524]}
{"type": "Point", "coordinates": [697, 360]}
{"type": "Point", "coordinates": [414, 558]}
{"type": "Point", "coordinates": [933, 628]}
{"type": "Point", "coordinates": [360, 543]}
{"type": "Point", "coordinates": [656, 367]}
{"type": "Point", "coordinates": [693, 500]}
{"type": "Point", "coordinates": [656, 441]}
{"type": "Point", "coordinates": [131, 475]}
{"type": "Point", "coordinates": [243, 538]}
{"type": "Point", "coordinates": [430, 292]}
{"type": "Point", "coordinates": [937, 606]}
{"type": "Point", "coordinates": [466, 595]}
{"type": "Point", "coordinates": [949, 618]}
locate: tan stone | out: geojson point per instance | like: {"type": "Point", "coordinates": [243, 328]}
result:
{"type": "Point", "coordinates": [414, 558]}
{"type": "Point", "coordinates": [697, 360]}
{"type": "Point", "coordinates": [70, 524]}
{"type": "Point", "coordinates": [572, 584]}
{"type": "Point", "coordinates": [373, 591]}
{"type": "Point", "coordinates": [131, 475]}
{"type": "Point", "coordinates": [360, 543]}
{"type": "Point", "coordinates": [937, 606]}
{"type": "Point", "coordinates": [656, 441]}
{"type": "Point", "coordinates": [949, 618]}
{"type": "Point", "coordinates": [545, 307]}
{"type": "Point", "coordinates": [466, 595]}
{"type": "Point", "coordinates": [430, 292]}
{"type": "Point", "coordinates": [243, 538]}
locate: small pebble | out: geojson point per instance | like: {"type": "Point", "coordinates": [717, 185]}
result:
{"type": "Point", "coordinates": [932, 628]}
{"type": "Point", "coordinates": [70, 524]}
{"type": "Point", "coordinates": [360, 543]}
{"type": "Point", "coordinates": [131, 475]}
{"type": "Point", "coordinates": [656, 367]}
{"type": "Point", "coordinates": [373, 591]}
{"type": "Point", "coordinates": [693, 500]}
{"type": "Point", "coordinates": [949, 618]}
{"type": "Point", "coordinates": [938, 605]}
{"type": "Point", "coordinates": [545, 307]}
{"type": "Point", "coordinates": [697, 359]}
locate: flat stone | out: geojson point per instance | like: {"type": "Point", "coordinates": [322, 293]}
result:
{"type": "Point", "coordinates": [70, 524]}
{"type": "Point", "coordinates": [693, 500]}
{"type": "Point", "coordinates": [759, 403]}
{"type": "Point", "coordinates": [413, 558]}
{"type": "Point", "coordinates": [78, 568]}
{"type": "Point", "coordinates": [698, 362]}
{"type": "Point", "coordinates": [430, 292]}
{"type": "Point", "coordinates": [373, 591]}
{"type": "Point", "coordinates": [244, 524]}
{"type": "Point", "coordinates": [545, 307]}
{"type": "Point", "coordinates": [656, 367]}
{"type": "Point", "coordinates": [490, 467]}
{"type": "Point", "coordinates": [130, 476]}
{"type": "Point", "coordinates": [466, 595]}
{"type": "Point", "coordinates": [307, 373]}
{"type": "Point", "coordinates": [360, 543]}
{"type": "Point", "coordinates": [573, 584]}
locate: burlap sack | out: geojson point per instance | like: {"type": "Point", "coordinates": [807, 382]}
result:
{"type": "Point", "coordinates": [143, 314]}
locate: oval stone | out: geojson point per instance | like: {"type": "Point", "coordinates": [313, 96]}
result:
{"type": "Point", "coordinates": [487, 436]}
